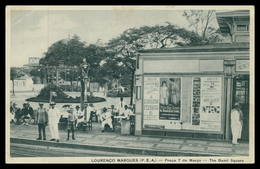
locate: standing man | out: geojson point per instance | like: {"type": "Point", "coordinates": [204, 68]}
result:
{"type": "Point", "coordinates": [71, 123]}
{"type": "Point", "coordinates": [42, 120]}
{"type": "Point", "coordinates": [12, 113]}
{"type": "Point", "coordinates": [121, 105]}
{"type": "Point", "coordinates": [54, 117]}
{"type": "Point", "coordinates": [236, 123]}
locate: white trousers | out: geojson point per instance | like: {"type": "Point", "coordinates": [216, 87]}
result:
{"type": "Point", "coordinates": [236, 133]}
{"type": "Point", "coordinates": [109, 122]}
{"type": "Point", "coordinates": [11, 116]}
{"type": "Point", "coordinates": [54, 130]}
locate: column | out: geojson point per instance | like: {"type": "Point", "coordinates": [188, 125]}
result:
{"type": "Point", "coordinates": [138, 106]}
{"type": "Point", "coordinates": [229, 70]}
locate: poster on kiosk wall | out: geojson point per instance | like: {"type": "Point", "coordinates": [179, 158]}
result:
{"type": "Point", "coordinates": [162, 101]}
{"type": "Point", "coordinates": [170, 99]}
{"type": "Point", "coordinates": [210, 103]}
{"type": "Point", "coordinates": [151, 98]}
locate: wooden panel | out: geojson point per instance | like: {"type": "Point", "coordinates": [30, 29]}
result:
{"type": "Point", "coordinates": [170, 66]}
{"type": "Point", "coordinates": [242, 38]}
{"type": "Point", "coordinates": [211, 65]}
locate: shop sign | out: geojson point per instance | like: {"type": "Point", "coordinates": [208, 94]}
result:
{"type": "Point", "coordinates": [242, 65]}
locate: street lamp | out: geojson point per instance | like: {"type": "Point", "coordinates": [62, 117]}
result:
{"type": "Point", "coordinates": [85, 68]}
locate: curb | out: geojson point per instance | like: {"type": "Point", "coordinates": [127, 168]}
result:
{"type": "Point", "coordinates": [141, 151]}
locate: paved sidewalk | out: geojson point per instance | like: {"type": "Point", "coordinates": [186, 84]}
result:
{"type": "Point", "coordinates": [114, 142]}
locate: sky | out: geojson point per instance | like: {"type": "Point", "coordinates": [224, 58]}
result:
{"type": "Point", "coordinates": [33, 31]}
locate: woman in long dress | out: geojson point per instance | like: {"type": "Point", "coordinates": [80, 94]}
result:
{"type": "Point", "coordinates": [174, 92]}
{"type": "Point", "coordinates": [164, 93]}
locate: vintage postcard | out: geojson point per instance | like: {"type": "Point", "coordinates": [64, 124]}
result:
{"type": "Point", "coordinates": [130, 84]}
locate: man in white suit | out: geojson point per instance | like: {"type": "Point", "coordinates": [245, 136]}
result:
{"type": "Point", "coordinates": [236, 123]}
{"type": "Point", "coordinates": [121, 106]}
{"type": "Point", "coordinates": [54, 117]}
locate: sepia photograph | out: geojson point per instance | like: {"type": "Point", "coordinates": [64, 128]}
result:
{"type": "Point", "coordinates": [130, 84]}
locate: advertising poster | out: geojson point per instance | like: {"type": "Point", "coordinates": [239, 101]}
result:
{"type": "Point", "coordinates": [170, 98]}
{"type": "Point", "coordinates": [151, 98]}
{"type": "Point", "coordinates": [210, 103]}
{"type": "Point", "coordinates": [196, 101]}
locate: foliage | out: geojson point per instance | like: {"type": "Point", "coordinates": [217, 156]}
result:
{"type": "Point", "coordinates": [15, 73]}
{"type": "Point", "coordinates": [45, 92]}
{"type": "Point", "coordinates": [37, 73]}
{"type": "Point", "coordinates": [44, 96]}
{"type": "Point", "coordinates": [202, 22]}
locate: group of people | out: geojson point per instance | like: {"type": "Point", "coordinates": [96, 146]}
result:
{"type": "Point", "coordinates": [121, 110]}
{"type": "Point", "coordinates": [19, 116]}
{"type": "Point", "coordinates": [51, 117]}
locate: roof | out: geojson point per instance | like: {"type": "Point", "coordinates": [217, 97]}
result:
{"type": "Point", "coordinates": [24, 77]}
{"type": "Point", "coordinates": [219, 47]}
{"type": "Point", "coordinates": [236, 13]}
{"type": "Point", "coordinates": [228, 17]}
{"type": "Point", "coordinates": [32, 64]}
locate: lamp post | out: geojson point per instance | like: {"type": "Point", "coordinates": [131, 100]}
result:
{"type": "Point", "coordinates": [85, 68]}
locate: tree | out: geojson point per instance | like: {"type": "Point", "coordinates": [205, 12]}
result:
{"type": "Point", "coordinates": [124, 47]}
{"type": "Point", "coordinates": [72, 52]}
{"type": "Point", "coordinates": [202, 22]}
{"type": "Point", "coordinates": [14, 74]}
{"type": "Point", "coordinates": [37, 73]}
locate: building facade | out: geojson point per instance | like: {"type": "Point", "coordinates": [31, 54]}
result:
{"type": "Point", "coordinates": [190, 91]}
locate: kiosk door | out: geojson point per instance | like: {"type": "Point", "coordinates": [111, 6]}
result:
{"type": "Point", "coordinates": [241, 95]}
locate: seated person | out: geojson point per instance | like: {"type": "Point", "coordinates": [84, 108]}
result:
{"type": "Point", "coordinates": [106, 119]}
{"type": "Point", "coordinates": [79, 115]}
{"type": "Point", "coordinates": [91, 109]}
{"type": "Point", "coordinates": [127, 112]}
{"type": "Point", "coordinates": [25, 114]}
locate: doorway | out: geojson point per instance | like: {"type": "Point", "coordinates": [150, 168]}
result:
{"type": "Point", "coordinates": [241, 96]}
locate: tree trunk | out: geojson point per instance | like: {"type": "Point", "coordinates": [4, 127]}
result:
{"type": "Point", "coordinates": [82, 94]}
{"type": "Point", "coordinates": [132, 87]}
{"type": "Point", "coordinates": [13, 87]}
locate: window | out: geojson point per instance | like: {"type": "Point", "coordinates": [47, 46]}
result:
{"type": "Point", "coordinates": [242, 27]}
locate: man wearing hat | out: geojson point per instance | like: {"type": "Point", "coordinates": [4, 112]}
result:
{"type": "Point", "coordinates": [106, 119]}
{"type": "Point", "coordinates": [236, 123]}
{"type": "Point", "coordinates": [79, 115]}
{"type": "Point", "coordinates": [42, 120]}
{"type": "Point", "coordinates": [54, 117]}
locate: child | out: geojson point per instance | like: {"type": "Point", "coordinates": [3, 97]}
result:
{"type": "Point", "coordinates": [71, 123]}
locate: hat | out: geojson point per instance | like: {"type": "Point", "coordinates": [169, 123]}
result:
{"type": "Point", "coordinates": [77, 106]}
{"type": "Point", "coordinates": [41, 103]}
{"type": "Point", "coordinates": [52, 103]}
{"type": "Point", "coordinates": [237, 105]}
